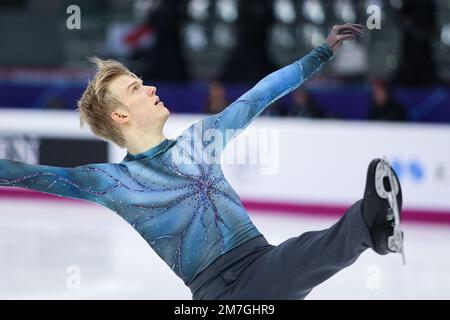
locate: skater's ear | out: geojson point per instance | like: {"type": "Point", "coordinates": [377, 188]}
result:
{"type": "Point", "coordinates": [120, 116]}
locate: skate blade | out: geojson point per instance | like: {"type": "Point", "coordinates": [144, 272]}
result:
{"type": "Point", "coordinates": [396, 244]}
{"type": "Point", "coordinates": [396, 241]}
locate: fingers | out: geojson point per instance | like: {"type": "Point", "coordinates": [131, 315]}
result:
{"type": "Point", "coordinates": [349, 29]}
{"type": "Point", "coordinates": [343, 32]}
{"type": "Point", "coordinates": [357, 28]}
{"type": "Point", "coordinates": [341, 38]}
{"type": "Point", "coordinates": [350, 32]}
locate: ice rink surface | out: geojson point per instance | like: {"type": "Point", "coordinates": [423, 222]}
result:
{"type": "Point", "coordinates": [78, 250]}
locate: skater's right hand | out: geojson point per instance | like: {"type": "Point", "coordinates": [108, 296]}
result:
{"type": "Point", "coordinates": [340, 33]}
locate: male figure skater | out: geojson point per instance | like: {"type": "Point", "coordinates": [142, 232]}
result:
{"type": "Point", "coordinates": [176, 196]}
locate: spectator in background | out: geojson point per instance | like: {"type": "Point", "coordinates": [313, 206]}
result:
{"type": "Point", "coordinates": [417, 21]}
{"type": "Point", "coordinates": [304, 106]}
{"type": "Point", "coordinates": [276, 109]}
{"type": "Point", "coordinates": [165, 61]}
{"type": "Point", "coordinates": [216, 100]}
{"type": "Point", "coordinates": [384, 106]}
{"type": "Point", "coordinates": [249, 61]}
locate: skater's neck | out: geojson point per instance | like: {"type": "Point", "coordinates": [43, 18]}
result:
{"type": "Point", "coordinates": [140, 142]}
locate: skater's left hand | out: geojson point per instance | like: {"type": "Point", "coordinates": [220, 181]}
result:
{"type": "Point", "coordinates": [340, 33]}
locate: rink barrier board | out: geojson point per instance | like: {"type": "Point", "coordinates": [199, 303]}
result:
{"type": "Point", "coordinates": [313, 210]}
{"type": "Point", "coordinates": [322, 164]}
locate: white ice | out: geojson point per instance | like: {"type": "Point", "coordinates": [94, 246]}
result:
{"type": "Point", "coordinates": [76, 250]}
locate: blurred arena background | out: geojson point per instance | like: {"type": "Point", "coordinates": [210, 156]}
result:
{"type": "Point", "coordinates": [386, 94]}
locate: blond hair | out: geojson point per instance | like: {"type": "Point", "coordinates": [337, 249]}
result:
{"type": "Point", "coordinates": [97, 103]}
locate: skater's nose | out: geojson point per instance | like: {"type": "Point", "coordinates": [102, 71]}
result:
{"type": "Point", "coordinates": [151, 90]}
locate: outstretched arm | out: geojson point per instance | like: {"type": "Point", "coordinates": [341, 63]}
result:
{"type": "Point", "coordinates": [240, 113]}
{"type": "Point", "coordinates": [89, 182]}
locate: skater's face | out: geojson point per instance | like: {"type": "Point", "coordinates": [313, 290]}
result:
{"type": "Point", "coordinates": [144, 107]}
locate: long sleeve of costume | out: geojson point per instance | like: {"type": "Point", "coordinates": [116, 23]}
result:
{"type": "Point", "coordinates": [240, 113]}
{"type": "Point", "coordinates": [89, 182]}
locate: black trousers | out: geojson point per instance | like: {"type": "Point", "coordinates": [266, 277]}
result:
{"type": "Point", "coordinates": [289, 270]}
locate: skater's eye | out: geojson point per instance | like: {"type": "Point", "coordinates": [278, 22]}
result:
{"type": "Point", "coordinates": [134, 86]}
